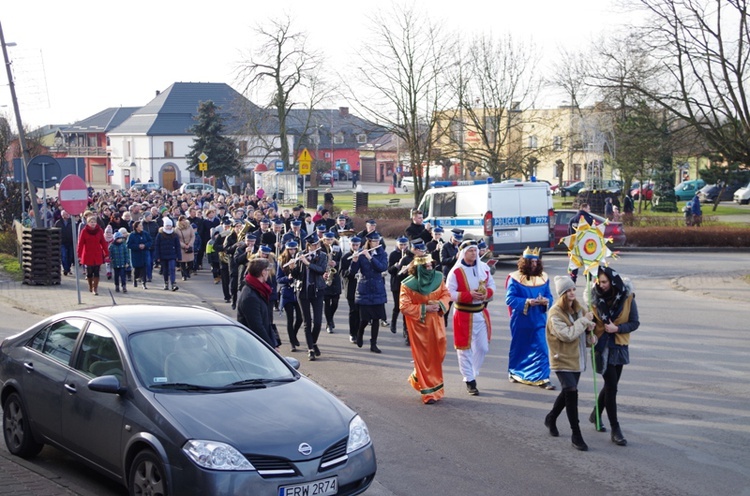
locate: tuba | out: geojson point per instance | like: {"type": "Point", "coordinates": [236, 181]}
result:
{"type": "Point", "coordinates": [245, 229]}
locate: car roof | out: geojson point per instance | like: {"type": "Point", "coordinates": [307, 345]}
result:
{"type": "Point", "coordinates": [596, 217]}
{"type": "Point", "coordinates": [135, 318]}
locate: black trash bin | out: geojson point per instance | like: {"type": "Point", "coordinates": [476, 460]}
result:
{"type": "Point", "coordinates": [360, 202]}
{"type": "Point", "coordinates": [311, 199]}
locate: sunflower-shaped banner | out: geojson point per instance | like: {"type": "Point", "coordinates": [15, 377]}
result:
{"type": "Point", "coordinates": [587, 247]}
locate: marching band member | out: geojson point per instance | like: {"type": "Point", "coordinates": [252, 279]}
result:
{"type": "Point", "coordinates": [398, 262]}
{"type": "Point", "coordinates": [288, 301]}
{"type": "Point", "coordinates": [350, 286]}
{"type": "Point", "coordinates": [371, 297]}
{"type": "Point", "coordinates": [332, 278]}
{"type": "Point", "coordinates": [435, 246]}
{"type": "Point", "coordinates": [309, 270]}
{"type": "Point", "coordinates": [295, 234]}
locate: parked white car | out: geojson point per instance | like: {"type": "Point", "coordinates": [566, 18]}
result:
{"type": "Point", "coordinates": [201, 187]}
{"type": "Point", "coordinates": [742, 195]}
{"type": "Point", "coordinates": [407, 184]}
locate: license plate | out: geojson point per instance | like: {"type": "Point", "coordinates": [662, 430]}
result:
{"type": "Point", "coordinates": [506, 234]}
{"type": "Point", "coordinates": [317, 488]}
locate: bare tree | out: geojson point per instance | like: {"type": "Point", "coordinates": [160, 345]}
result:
{"type": "Point", "coordinates": [701, 50]}
{"type": "Point", "coordinates": [284, 74]}
{"type": "Point", "coordinates": [493, 81]}
{"type": "Point", "coordinates": [402, 83]}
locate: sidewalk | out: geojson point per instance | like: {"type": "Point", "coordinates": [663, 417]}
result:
{"type": "Point", "coordinates": [719, 287]}
{"type": "Point", "coordinates": [49, 300]}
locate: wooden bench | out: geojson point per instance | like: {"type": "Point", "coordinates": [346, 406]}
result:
{"type": "Point", "coordinates": [394, 202]}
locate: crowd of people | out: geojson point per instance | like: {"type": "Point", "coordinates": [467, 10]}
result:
{"type": "Point", "coordinates": [272, 262]}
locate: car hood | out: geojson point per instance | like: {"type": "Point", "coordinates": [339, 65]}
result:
{"type": "Point", "coordinates": [270, 421]}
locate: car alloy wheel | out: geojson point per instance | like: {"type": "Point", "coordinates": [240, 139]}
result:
{"type": "Point", "coordinates": [147, 476]}
{"type": "Point", "coordinates": [18, 437]}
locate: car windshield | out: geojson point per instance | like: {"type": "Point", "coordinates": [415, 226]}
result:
{"type": "Point", "coordinates": [205, 358]}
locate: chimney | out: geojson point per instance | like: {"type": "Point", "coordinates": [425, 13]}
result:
{"type": "Point", "coordinates": [158, 92]}
{"type": "Point", "coordinates": [344, 111]}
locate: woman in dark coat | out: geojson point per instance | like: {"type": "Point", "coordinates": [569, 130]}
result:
{"type": "Point", "coordinates": [616, 316]}
{"type": "Point", "coordinates": [253, 309]}
{"type": "Point", "coordinates": [139, 243]}
{"type": "Point", "coordinates": [167, 252]}
{"type": "Point", "coordinates": [371, 296]}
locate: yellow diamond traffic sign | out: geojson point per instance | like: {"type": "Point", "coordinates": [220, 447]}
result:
{"type": "Point", "coordinates": [202, 157]}
{"type": "Point", "coordinates": [305, 162]}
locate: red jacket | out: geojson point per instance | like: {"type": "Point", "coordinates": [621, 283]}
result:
{"type": "Point", "coordinates": [92, 249]}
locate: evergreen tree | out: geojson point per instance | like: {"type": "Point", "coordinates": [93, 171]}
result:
{"type": "Point", "coordinates": [223, 158]}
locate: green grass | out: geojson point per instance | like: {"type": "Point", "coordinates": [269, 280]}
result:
{"type": "Point", "coordinates": [9, 264]}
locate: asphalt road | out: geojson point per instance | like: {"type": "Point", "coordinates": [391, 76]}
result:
{"type": "Point", "coordinates": [684, 400]}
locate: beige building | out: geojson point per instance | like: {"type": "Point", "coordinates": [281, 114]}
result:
{"type": "Point", "coordinates": [520, 143]}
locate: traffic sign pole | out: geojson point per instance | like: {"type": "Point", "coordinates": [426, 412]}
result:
{"type": "Point", "coordinates": [74, 195]}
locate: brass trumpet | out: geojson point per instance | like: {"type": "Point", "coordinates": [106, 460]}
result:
{"type": "Point", "coordinates": [328, 276]}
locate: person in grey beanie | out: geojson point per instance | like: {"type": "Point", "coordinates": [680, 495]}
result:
{"type": "Point", "coordinates": [566, 324]}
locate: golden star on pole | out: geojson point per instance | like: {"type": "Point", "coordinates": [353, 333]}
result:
{"type": "Point", "coordinates": [587, 247]}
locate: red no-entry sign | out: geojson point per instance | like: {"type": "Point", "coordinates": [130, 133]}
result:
{"type": "Point", "coordinates": [73, 194]}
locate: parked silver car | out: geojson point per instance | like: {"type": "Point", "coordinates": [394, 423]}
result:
{"type": "Point", "coordinates": [177, 401]}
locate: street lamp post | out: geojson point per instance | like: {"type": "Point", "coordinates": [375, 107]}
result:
{"type": "Point", "coordinates": [21, 137]}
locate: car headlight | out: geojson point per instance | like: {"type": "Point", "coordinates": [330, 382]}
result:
{"type": "Point", "coordinates": [216, 456]}
{"type": "Point", "coordinates": [359, 436]}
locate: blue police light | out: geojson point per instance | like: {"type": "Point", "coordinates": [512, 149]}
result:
{"type": "Point", "coordinates": [444, 184]}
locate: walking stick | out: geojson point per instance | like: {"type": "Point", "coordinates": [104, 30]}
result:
{"type": "Point", "coordinates": [598, 423]}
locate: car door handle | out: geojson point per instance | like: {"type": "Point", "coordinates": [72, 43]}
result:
{"type": "Point", "coordinates": [29, 366]}
{"type": "Point", "coordinates": [71, 388]}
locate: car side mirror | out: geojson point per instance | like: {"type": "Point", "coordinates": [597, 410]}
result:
{"type": "Point", "coordinates": [106, 384]}
{"type": "Point", "coordinates": [293, 362]}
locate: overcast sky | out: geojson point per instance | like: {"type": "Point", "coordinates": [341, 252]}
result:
{"type": "Point", "coordinates": [74, 59]}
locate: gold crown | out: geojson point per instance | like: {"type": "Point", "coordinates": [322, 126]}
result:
{"type": "Point", "coordinates": [422, 260]}
{"type": "Point", "coordinates": [529, 253]}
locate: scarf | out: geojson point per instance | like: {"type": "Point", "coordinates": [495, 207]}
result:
{"type": "Point", "coordinates": [261, 287]}
{"type": "Point", "coordinates": [425, 282]}
{"type": "Point", "coordinates": [609, 303]}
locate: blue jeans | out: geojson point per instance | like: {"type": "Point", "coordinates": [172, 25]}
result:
{"type": "Point", "coordinates": [66, 257]}
{"type": "Point", "coordinates": [120, 279]}
{"type": "Point", "coordinates": [168, 270]}
{"type": "Point", "coordinates": [149, 264]}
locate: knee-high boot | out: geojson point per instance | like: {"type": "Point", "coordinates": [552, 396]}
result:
{"type": "Point", "coordinates": [551, 418]}
{"type": "Point", "coordinates": [571, 408]}
{"type": "Point", "coordinates": [96, 286]}
{"type": "Point", "coordinates": [374, 337]}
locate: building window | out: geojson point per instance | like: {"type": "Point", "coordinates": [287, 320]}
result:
{"type": "Point", "coordinates": [557, 143]}
{"type": "Point", "coordinates": [533, 142]}
{"type": "Point", "coordinates": [243, 147]}
{"type": "Point", "coordinates": [362, 138]}
{"type": "Point", "coordinates": [129, 147]}
{"type": "Point", "coordinates": [328, 155]}
{"type": "Point", "coordinates": [338, 138]}
{"type": "Point", "coordinates": [576, 172]}
{"type": "Point", "coordinates": [456, 128]}
{"type": "Point", "coordinates": [168, 149]}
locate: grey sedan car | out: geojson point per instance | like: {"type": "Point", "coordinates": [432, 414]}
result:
{"type": "Point", "coordinates": [178, 400]}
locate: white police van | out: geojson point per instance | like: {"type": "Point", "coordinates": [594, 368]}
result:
{"type": "Point", "coordinates": [509, 216]}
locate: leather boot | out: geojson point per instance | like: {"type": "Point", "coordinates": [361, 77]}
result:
{"type": "Point", "coordinates": [96, 286]}
{"type": "Point", "coordinates": [617, 436]}
{"type": "Point", "coordinates": [592, 419]}
{"type": "Point", "coordinates": [571, 409]}
{"type": "Point", "coordinates": [550, 421]}
{"type": "Point", "coordinates": [374, 339]}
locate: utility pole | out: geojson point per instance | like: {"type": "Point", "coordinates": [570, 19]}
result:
{"type": "Point", "coordinates": [21, 137]}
